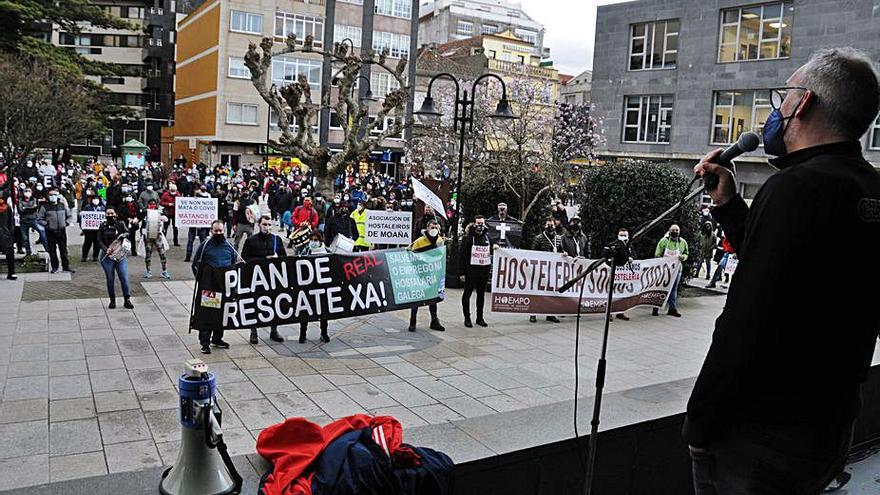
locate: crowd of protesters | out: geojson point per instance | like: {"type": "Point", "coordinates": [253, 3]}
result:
{"type": "Point", "coordinates": [139, 219]}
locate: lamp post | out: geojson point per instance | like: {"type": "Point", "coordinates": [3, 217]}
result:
{"type": "Point", "coordinates": [463, 121]}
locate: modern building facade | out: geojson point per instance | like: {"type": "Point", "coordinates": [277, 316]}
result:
{"type": "Point", "coordinates": [442, 21]}
{"type": "Point", "coordinates": [674, 79]}
{"type": "Point", "coordinates": [576, 90]}
{"type": "Point", "coordinates": [146, 56]}
{"type": "Point", "coordinates": [220, 117]}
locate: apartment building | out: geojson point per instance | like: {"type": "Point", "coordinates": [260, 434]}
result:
{"type": "Point", "coordinates": [576, 90]}
{"type": "Point", "coordinates": [443, 21]}
{"type": "Point", "coordinates": [220, 117]}
{"type": "Point", "coordinates": [674, 79]}
{"type": "Point", "coordinates": [145, 83]}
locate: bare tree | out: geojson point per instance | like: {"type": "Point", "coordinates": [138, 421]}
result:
{"type": "Point", "coordinates": [43, 107]}
{"type": "Point", "coordinates": [296, 111]}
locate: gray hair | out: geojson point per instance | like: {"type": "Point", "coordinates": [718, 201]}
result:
{"type": "Point", "coordinates": [846, 84]}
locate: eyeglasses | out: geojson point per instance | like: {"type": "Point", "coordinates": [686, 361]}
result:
{"type": "Point", "coordinates": [777, 95]}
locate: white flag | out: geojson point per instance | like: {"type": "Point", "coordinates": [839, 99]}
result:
{"type": "Point", "coordinates": [422, 192]}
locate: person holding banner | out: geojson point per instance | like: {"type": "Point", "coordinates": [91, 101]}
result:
{"type": "Point", "coordinates": [430, 239]}
{"type": "Point", "coordinates": [90, 235]}
{"type": "Point", "coordinates": [262, 246]}
{"type": "Point", "coordinates": [151, 233]}
{"type": "Point", "coordinates": [167, 202]}
{"type": "Point", "coordinates": [216, 252]}
{"type": "Point", "coordinates": [115, 258]}
{"type": "Point", "coordinates": [575, 242]}
{"type": "Point", "coordinates": [315, 247]}
{"type": "Point", "coordinates": [360, 219]}
{"type": "Point", "coordinates": [340, 223]}
{"type": "Point", "coordinates": [476, 257]}
{"type": "Point", "coordinates": [672, 246]}
{"type": "Point", "coordinates": [548, 240]}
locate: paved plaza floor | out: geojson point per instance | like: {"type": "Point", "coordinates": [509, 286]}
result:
{"type": "Point", "coordinates": [88, 391]}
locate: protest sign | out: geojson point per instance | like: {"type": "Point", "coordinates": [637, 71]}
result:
{"type": "Point", "coordinates": [732, 263]}
{"type": "Point", "coordinates": [91, 220]}
{"type": "Point", "coordinates": [194, 212]}
{"type": "Point", "coordinates": [388, 227]}
{"type": "Point", "coordinates": [526, 282]}
{"type": "Point", "coordinates": [421, 191]}
{"type": "Point", "coordinates": [281, 291]}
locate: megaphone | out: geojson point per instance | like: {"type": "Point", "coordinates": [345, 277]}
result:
{"type": "Point", "coordinates": [203, 464]}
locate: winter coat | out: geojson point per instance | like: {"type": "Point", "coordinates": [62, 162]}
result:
{"type": "Point", "coordinates": [146, 196]}
{"type": "Point", "coordinates": [107, 233]}
{"type": "Point", "coordinates": [54, 217]}
{"type": "Point", "coordinates": [302, 214]}
{"type": "Point", "coordinates": [215, 254]}
{"type": "Point", "coordinates": [576, 244]}
{"type": "Point", "coordinates": [551, 243]}
{"type": "Point", "coordinates": [470, 240]}
{"type": "Point", "coordinates": [666, 243]}
{"type": "Point", "coordinates": [27, 209]}
{"type": "Point", "coordinates": [261, 246]}
{"type": "Point", "coordinates": [340, 224]}
{"type": "Point", "coordinates": [168, 202]}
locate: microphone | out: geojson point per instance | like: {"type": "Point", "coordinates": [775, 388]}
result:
{"type": "Point", "coordinates": [748, 141]}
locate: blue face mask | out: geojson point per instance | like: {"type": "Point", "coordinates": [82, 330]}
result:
{"type": "Point", "coordinates": [774, 131]}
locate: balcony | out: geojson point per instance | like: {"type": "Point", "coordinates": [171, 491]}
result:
{"type": "Point", "coordinates": [516, 68]}
{"type": "Point", "coordinates": [159, 17]}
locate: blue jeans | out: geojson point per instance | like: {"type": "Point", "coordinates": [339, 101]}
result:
{"type": "Point", "coordinates": [720, 270]}
{"type": "Point", "coordinates": [26, 227]}
{"type": "Point", "coordinates": [771, 460]}
{"type": "Point", "coordinates": [113, 268]}
{"type": "Point", "coordinates": [191, 237]}
{"type": "Point", "coordinates": [672, 302]}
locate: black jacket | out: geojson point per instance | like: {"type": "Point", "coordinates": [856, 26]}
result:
{"type": "Point", "coordinates": [108, 233]}
{"type": "Point", "coordinates": [261, 246]}
{"type": "Point", "coordinates": [576, 244]}
{"type": "Point", "coordinates": [340, 224]}
{"type": "Point", "coordinates": [552, 243]}
{"type": "Point", "coordinates": [797, 333]}
{"type": "Point", "coordinates": [470, 240]}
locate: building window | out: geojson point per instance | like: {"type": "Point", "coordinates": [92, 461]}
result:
{"type": "Point", "coordinates": [356, 2]}
{"type": "Point", "coordinates": [653, 45]}
{"type": "Point", "coordinates": [342, 31]}
{"type": "Point", "coordinates": [397, 44]}
{"type": "Point", "coordinates": [382, 83]}
{"type": "Point", "coordinates": [301, 25]}
{"type": "Point", "coordinates": [490, 28]}
{"type": "Point", "coordinates": [492, 54]}
{"type": "Point", "coordinates": [128, 135]}
{"type": "Point", "coordinates": [757, 32]}
{"type": "Point", "coordinates": [273, 122]}
{"type": "Point", "coordinates": [737, 112]}
{"type": "Point", "coordinates": [875, 135]}
{"type": "Point", "coordinates": [245, 22]}
{"type": "Point", "coordinates": [241, 113]}
{"type": "Point", "coordinates": [526, 35]}
{"type": "Point", "coordinates": [233, 161]}
{"type": "Point", "coordinates": [286, 70]}
{"type": "Point", "coordinates": [237, 69]}
{"type": "Point", "coordinates": [465, 27]}
{"type": "Point", "coordinates": [394, 8]}
{"type": "Point", "coordinates": [647, 119]}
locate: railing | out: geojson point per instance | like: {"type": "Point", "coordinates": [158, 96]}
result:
{"type": "Point", "coordinates": [517, 68]}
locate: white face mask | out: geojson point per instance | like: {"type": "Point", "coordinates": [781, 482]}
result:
{"type": "Point", "coordinates": [96, 201]}
{"type": "Point", "coordinates": [149, 188]}
{"type": "Point", "coordinates": [53, 198]}
{"type": "Point", "coordinates": [28, 194]}
{"type": "Point", "coordinates": [623, 238]}
{"type": "Point", "coordinates": [433, 233]}
{"type": "Point", "coordinates": [314, 244]}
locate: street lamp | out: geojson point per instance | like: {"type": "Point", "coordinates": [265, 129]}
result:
{"type": "Point", "coordinates": [463, 119]}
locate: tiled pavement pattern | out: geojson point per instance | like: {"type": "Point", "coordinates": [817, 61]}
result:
{"type": "Point", "coordinates": [89, 391]}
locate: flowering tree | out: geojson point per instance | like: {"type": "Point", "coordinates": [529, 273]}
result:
{"type": "Point", "coordinates": [296, 111]}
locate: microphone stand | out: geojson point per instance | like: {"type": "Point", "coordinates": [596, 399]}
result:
{"type": "Point", "coordinates": [613, 255]}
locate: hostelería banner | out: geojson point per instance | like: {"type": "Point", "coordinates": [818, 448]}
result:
{"type": "Point", "coordinates": [526, 282]}
{"type": "Point", "coordinates": [287, 290]}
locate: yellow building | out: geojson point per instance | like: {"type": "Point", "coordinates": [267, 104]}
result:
{"type": "Point", "coordinates": [220, 117]}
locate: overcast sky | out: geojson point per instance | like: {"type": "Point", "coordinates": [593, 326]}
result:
{"type": "Point", "coordinates": [571, 29]}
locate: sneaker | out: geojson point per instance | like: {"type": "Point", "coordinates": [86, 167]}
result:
{"type": "Point", "coordinates": [254, 340]}
{"type": "Point", "coordinates": [54, 270]}
{"type": "Point", "coordinates": [674, 312]}
{"type": "Point", "coordinates": [148, 274]}
{"type": "Point", "coordinates": [533, 319]}
{"type": "Point", "coordinates": [166, 274]}
{"type": "Point", "coordinates": [655, 312]}
{"type": "Point", "coordinates": [220, 344]}
{"type": "Point", "coordinates": [435, 325]}
{"type": "Point", "coordinates": [12, 276]}
{"type": "Point", "coordinates": [553, 319]}
{"type": "Point", "coordinates": [206, 349]}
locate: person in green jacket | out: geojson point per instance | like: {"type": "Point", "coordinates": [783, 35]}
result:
{"type": "Point", "coordinates": [672, 245]}
{"type": "Point", "coordinates": [360, 219]}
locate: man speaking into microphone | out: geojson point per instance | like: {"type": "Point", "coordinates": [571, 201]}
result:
{"type": "Point", "coordinates": [773, 407]}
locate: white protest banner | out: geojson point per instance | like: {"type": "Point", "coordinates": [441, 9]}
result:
{"type": "Point", "coordinates": [526, 282]}
{"type": "Point", "coordinates": [732, 263]}
{"type": "Point", "coordinates": [480, 255]}
{"type": "Point", "coordinates": [421, 191]}
{"type": "Point", "coordinates": [194, 212]}
{"type": "Point", "coordinates": [91, 220]}
{"type": "Point", "coordinates": [388, 227]}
